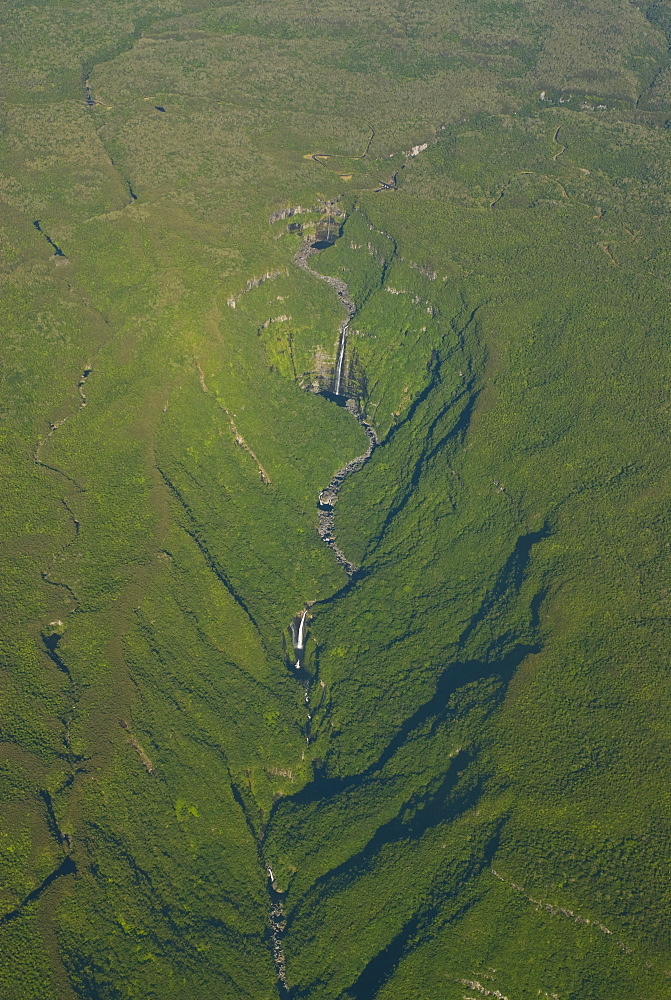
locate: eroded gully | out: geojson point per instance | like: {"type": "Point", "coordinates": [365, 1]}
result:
{"type": "Point", "coordinates": [53, 632]}
{"type": "Point", "coordinates": [51, 636]}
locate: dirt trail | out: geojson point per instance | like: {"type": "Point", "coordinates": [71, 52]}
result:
{"type": "Point", "coordinates": [239, 440]}
{"type": "Point", "coordinates": [320, 157]}
{"type": "Point", "coordinates": [556, 140]}
{"type": "Point", "coordinates": [556, 910]}
{"type": "Point", "coordinates": [606, 249]}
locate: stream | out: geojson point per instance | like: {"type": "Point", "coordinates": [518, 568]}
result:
{"type": "Point", "coordinates": [342, 291]}
{"type": "Point", "coordinates": [299, 626]}
{"type": "Point", "coordinates": [329, 496]}
{"type": "Point", "coordinates": [278, 925]}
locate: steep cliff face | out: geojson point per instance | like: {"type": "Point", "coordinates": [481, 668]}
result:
{"type": "Point", "coordinates": [334, 580]}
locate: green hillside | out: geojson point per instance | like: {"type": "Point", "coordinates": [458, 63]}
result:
{"type": "Point", "coordinates": [457, 786]}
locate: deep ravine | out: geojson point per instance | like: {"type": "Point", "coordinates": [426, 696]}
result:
{"type": "Point", "coordinates": [328, 497]}
{"type": "Point", "coordinates": [299, 626]}
{"type": "Point", "coordinates": [342, 291]}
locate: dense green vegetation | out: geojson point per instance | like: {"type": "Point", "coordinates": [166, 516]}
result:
{"type": "Point", "coordinates": [472, 801]}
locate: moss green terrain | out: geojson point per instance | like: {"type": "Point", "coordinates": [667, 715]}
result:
{"type": "Point", "coordinates": [465, 792]}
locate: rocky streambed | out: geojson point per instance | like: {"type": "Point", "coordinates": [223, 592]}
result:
{"type": "Point", "coordinates": [328, 497]}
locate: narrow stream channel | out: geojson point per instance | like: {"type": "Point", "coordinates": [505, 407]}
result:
{"type": "Point", "coordinates": [57, 250]}
{"type": "Point", "coordinates": [54, 425]}
{"type": "Point", "coordinates": [277, 927]}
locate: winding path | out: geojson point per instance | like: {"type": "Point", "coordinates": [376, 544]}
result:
{"type": "Point", "coordinates": [556, 140]}
{"type": "Point", "coordinates": [320, 157]}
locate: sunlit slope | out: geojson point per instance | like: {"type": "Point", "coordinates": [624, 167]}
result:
{"type": "Point", "coordinates": [167, 688]}
{"type": "Point", "coordinates": [538, 477]}
{"type": "Point", "coordinates": [477, 801]}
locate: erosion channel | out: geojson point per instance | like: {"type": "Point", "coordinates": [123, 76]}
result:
{"type": "Point", "coordinates": [326, 503]}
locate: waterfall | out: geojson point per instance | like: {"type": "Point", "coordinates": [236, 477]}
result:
{"type": "Point", "coordinates": [341, 358]}
{"type": "Point", "coordinates": [300, 642]}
